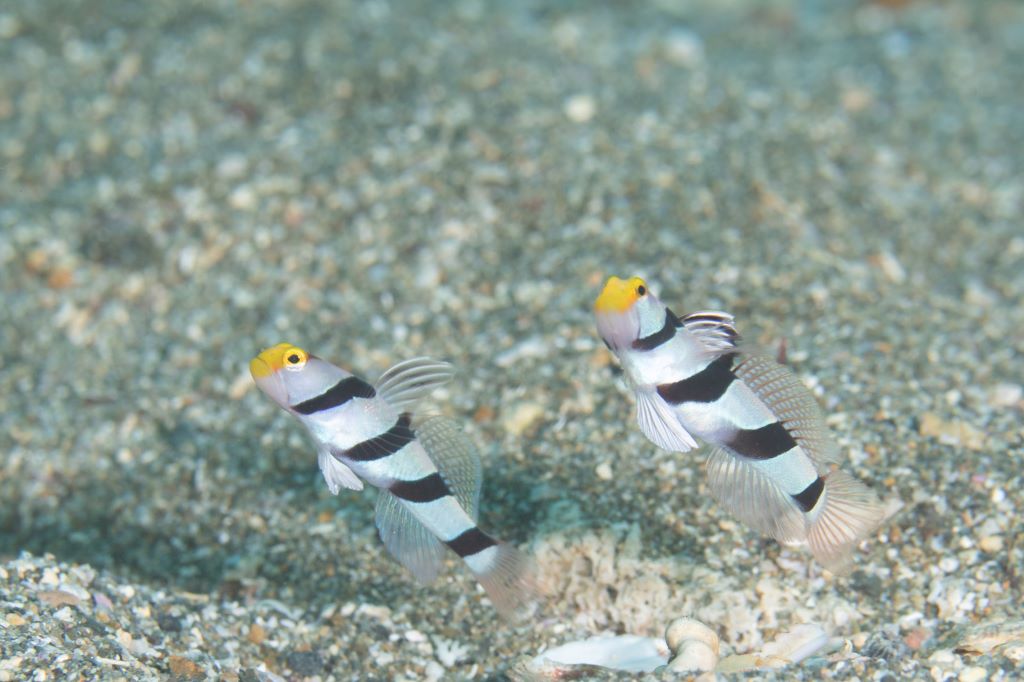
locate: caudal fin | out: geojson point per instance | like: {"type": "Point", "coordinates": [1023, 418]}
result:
{"type": "Point", "coordinates": [508, 578]}
{"type": "Point", "coordinates": [851, 512]}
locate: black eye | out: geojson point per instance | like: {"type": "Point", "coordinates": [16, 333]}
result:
{"type": "Point", "coordinates": [641, 290]}
{"type": "Point", "coordinates": [293, 359]}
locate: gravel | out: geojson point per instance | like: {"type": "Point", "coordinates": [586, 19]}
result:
{"type": "Point", "coordinates": [183, 183]}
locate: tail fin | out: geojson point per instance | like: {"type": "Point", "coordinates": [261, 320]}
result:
{"type": "Point", "coordinates": [851, 513]}
{"type": "Point", "coordinates": [509, 579]}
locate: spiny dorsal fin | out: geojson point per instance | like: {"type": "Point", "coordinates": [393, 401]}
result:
{"type": "Point", "coordinates": [410, 380]}
{"type": "Point", "coordinates": [712, 328]}
{"type": "Point", "coordinates": [793, 404]}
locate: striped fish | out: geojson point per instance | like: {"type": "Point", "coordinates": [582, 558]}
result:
{"type": "Point", "coordinates": [428, 474]}
{"type": "Point", "coordinates": [774, 464]}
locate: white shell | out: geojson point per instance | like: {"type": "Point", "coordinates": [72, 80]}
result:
{"type": "Point", "coordinates": [629, 653]}
{"type": "Point", "coordinates": [797, 644]}
{"type": "Point", "coordinates": [789, 647]}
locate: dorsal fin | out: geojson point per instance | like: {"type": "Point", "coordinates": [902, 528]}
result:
{"type": "Point", "coordinates": [792, 403]}
{"type": "Point", "coordinates": [712, 328]}
{"type": "Point", "coordinates": [455, 457]}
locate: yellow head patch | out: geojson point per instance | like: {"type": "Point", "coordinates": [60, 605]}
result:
{"type": "Point", "coordinates": [619, 295]}
{"type": "Point", "coordinates": [276, 358]}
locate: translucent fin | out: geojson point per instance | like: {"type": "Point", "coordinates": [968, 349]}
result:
{"type": "Point", "coordinates": [793, 404]}
{"type": "Point", "coordinates": [336, 474]}
{"type": "Point", "coordinates": [712, 328]}
{"type": "Point", "coordinates": [754, 499]}
{"type": "Point", "coordinates": [456, 458]}
{"type": "Point", "coordinates": [407, 539]}
{"type": "Point", "coordinates": [851, 512]}
{"type": "Point", "coordinates": [510, 581]}
{"type": "Point", "coordinates": [660, 424]}
{"type": "Point", "coordinates": [410, 380]}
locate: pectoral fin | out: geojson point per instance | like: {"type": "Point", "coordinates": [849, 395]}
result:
{"type": "Point", "coordinates": [336, 473]}
{"type": "Point", "coordinates": [659, 423]}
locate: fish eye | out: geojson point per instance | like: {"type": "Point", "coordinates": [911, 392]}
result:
{"type": "Point", "coordinates": [294, 358]}
{"type": "Point", "coordinates": [641, 290]}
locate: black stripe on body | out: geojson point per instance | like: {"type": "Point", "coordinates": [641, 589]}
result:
{"type": "Point", "coordinates": [426, 489]}
{"type": "Point", "coordinates": [706, 386]}
{"type": "Point", "coordinates": [664, 335]}
{"type": "Point", "coordinates": [387, 443]}
{"type": "Point", "coordinates": [471, 542]}
{"type": "Point", "coordinates": [339, 394]}
{"type": "Point", "coordinates": [810, 495]}
{"type": "Point", "coordinates": [766, 442]}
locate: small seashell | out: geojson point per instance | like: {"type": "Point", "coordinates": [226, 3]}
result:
{"type": "Point", "coordinates": [694, 645]}
{"type": "Point", "coordinates": [682, 630]}
{"type": "Point", "coordinates": [694, 655]}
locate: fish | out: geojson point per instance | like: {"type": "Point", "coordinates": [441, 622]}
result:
{"type": "Point", "coordinates": [427, 472]}
{"type": "Point", "coordinates": [773, 463]}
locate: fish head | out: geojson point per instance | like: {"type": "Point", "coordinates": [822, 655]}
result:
{"type": "Point", "coordinates": [625, 308]}
{"type": "Point", "coordinates": [290, 375]}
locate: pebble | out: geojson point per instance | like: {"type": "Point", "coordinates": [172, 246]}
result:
{"type": "Point", "coordinates": [257, 634]}
{"type": "Point", "coordinates": [9, 26]}
{"type": "Point", "coordinates": [991, 544]}
{"type": "Point", "coordinates": [684, 48]}
{"type": "Point", "coordinates": [521, 417]}
{"type": "Point", "coordinates": [58, 598]}
{"type": "Point", "coordinates": [952, 432]}
{"type": "Point", "coordinates": [973, 673]}
{"type": "Point", "coordinates": [185, 668]}
{"type": "Point", "coordinates": [1005, 395]}
{"type": "Point", "coordinates": [604, 471]}
{"type": "Point", "coordinates": [580, 108]}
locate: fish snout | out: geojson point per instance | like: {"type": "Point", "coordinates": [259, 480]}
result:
{"type": "Point", "coordinates": [268, 380]}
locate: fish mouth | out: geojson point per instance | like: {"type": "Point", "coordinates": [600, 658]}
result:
{"type": "Point", "coordinates": [618, 329]}
{"type": "Point", "coordinates": [268, 381]}
{"type": "Point", "coordinates": [259, 368]}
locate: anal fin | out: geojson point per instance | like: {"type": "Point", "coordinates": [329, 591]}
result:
{"type": "Point", "coordinates": [407, 539]}
{"type": "Point", "coordinates": [754, 499]}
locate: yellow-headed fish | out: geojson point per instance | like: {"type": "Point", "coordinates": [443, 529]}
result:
{"type": "Point", "coordinates": [428, 474]}
{"type": "Point", "coordinates": [774, 464]}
